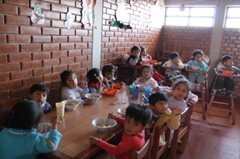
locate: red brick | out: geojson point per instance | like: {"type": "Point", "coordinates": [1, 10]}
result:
{"type": "Point", "coordinates": [67, 46]}
{"type": "Point", "coordinates": [59, 8]}
{"type": "Point", "coordinates": [47, 23]}
{"type": "Point", "coordinates": [3, 58]}
{"type": "Point", "coordinates": [20, 92]}
{"type": "Point", "coordinates": [87, 39]}
{"type": "Point", "coordinates": [68, 2]}
{"type": "Point", "coordinates": [16, 38]}
{"type": "Point", "coordinates": [18, 2]}
{"type": "Point", "coordinates": [51, 62]}
{"type": "Point", "coordinates": [17, 20]}
{"type": "Point", "coordinates": [8, 29]}
{"type": "Point", "coordinates": [26, 11]}
{"type": "Point", "coordinates": [72, 53]}
{"type": "Point", "coordinates": [1, 19]}
{"type": "Point", "coordinates": [74, 39]}
{"type": "Point", "coordinates": [67, 32]}
{"type": "Point", "coordinates": [59, 39]}
{"type": "Point", "coordinates": [81, 46]}
{"type": "Point", "coordinates": [31, 64]}
{"type": "Point", "coordinates": [19, 57]}
{"type": "Point", "coordinates": [80, 58]}
{"type": "Point", "coordinates": [41, 55]}
{"type": "Point", "coordinates": [63, 16]}
{"type": "Point", "coordinates": [43, 5]}
{"type": "Point", "coordinates": [3, 39]}
{"type": "Point", "coordinates": [86, 64]}
{"type": "Point", "coordinates": [41, 39]}
{"type": "Point", "coordinates": [30, 47]}
{"type": "Point", "coordinates": [10, 85]}
{"type": "Point", "coordinates": [58, 54]}
{"type": "Point", "coordinates": [9, 48]}
{"type": "Point", "coordinates": [50, 31]}
{"type": "Point", "coordinates": [58, 23]}
{"type": "Point", "coordinates": [74, 66]}
{"type": "Point", "coordinates": [42, 71]}
{"type": "Point", "coordinates": [67, 60]}
{"type": "Point", "coordinates": [51, 77]}
{"type": "Point", "coordinates": [52, 1]}
{"type": "Point", "coordinates": [51, 47]}
{"type": "Point", "coordinates": [59, 68]}
{"type": "Point", "coordinates": [82, 32]}
{"type": "Point", "coordinates": [8, 9]}
{"type": "Point", "coordinates": [4, 95]}
{"type": "Point", "coordinates": [4, 76]}
{"type": "Point", "coordinates": [21, 74]}
{"type": "Point", "coordinates": [51, 15]}
{"type": "Point", "coordinates": [74, 10]}
{"type": "Point", "coordinates": [30, 81]}
{"type": "Point", "coordinates": [31, 30]}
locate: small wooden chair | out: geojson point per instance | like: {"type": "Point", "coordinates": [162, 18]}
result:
{"type": "Point", "coordinates": [156, 150]}
{"type": "Point", "coordinates": [145, 151]}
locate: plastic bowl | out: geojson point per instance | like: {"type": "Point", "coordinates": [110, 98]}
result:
{"type": "Point", "coordinates": [44, 128]}
{"type": "Point", "coordinates": [110, 92]}
{"type": "Point", "coordinates": [103, 124]}
{"type": "Point", "coordinates": [122, 111]}
{"type": "Point", "coordinates": [72, 104]}
{"type": "Point", "coordinates": [91, 98]}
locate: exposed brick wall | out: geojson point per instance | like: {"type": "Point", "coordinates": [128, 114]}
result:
{"type": "Point", "coordinates": [31, 53]}
{"type": "Point", "coordinates": [117, 42]}
{"type": "Point", "coordinates": [187, 38]}
{"type": "Point", "coordinates": [231, 46]}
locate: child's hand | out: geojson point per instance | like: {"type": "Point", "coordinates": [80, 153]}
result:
{"type": "Point", "coordinates": [93, 140]}
{"type": "Point", "coordinates": [141, 80]}
{"type": "Point", "coordinates": [55, 123]}
{"type": "Point", "coordinates": [83, 84]}
{"type": "Point", "coordinates": [112, 115]}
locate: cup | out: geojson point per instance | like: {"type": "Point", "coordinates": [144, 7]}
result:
{"type": "Point", "coordinates": [60, 109]}
{"type": "Point", "coordinates": [135, 93]}
{"type": "Point", "coordinates": [147, 92]}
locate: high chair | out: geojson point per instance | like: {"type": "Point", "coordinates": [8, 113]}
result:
{"type": "Point", "coordinates": [168, 48]}
{"type": "Point", "coordinates": [145, 151]}
{"type": "Point", "coordinates": [229, 97]}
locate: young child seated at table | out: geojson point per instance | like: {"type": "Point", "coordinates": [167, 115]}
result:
{"type": "Point", "coordinates": [70, 88]}
{"type": "Point", "coordinates": [173, 66]}
{"type": "Point", "coordinates": [134, 58]}
{"type": "Point", "coordinates": [109, 72]}
{"type": "Point", "coordinates": [198, 66]}
{"type": "Point", "coordinates": [227, 69]}
{"type": "Point", "coordinates": [20, 139]}
{"type": "Point", "coordinates": [133, 137]}
{"type": "Point", "coordinates": [96, 81]}
{"type": "Point", "coordinates": [146, 79]}
{"type": "Point", "coordinates": [162, 113]}
{"type": "Point", "coordinates": [144, 55]}
{"type": "Point", "coordinates": [38, 93]}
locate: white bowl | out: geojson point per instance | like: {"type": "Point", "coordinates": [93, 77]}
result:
{"type": "Point", "coordinates": [72, 104]}
{"type": "Point", "coordinates": [91, 98]}
{"type": "Point", "coordinates": [44, 128]}
{"type": "Point", "coordinates": [122, 111]}
{"type": "Point", "coordinates": [104, 124]}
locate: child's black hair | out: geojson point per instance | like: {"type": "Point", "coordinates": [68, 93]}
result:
{"type": "Point", "coordinates": [197, 52]}
{"type": "Point", "coordinates": [173, 55]}
{"type": "Point", "coordinates": [134, 48]}
{"type": "Point", "coordinates": [39, 87]}
{"type": "Point", "coordinates": [149, 67]}
{"type": "Point", "coordinates": [24, 115]}
{"type": "Point", "coordinates": [182, 80]}
{"type": "Point", "coordinates": [93, 74]}
{"type": "Point", "coordinates": [139, 113]}
{"type": "Point", "coordinates": [226, 58]}
{"type": "Point", "coordinates": [143, 49]}
{"type": "Point", "coordinates": [108, 69]}
{"type": "Point", "coordinates": [65, 74]}
{"type": "Point", "coordinates": [157, 97]}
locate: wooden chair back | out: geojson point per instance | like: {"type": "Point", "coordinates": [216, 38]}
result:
{"type": "Point", "coordinates": [144, 152]}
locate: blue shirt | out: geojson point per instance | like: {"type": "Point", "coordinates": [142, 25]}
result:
{"type": "Point", "coordinates": [203, 66]}
{"type": "Point", "coordinates": [26, 144]}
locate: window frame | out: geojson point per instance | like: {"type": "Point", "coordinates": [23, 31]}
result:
{"type": "Point", "coordinates": [226, 16]}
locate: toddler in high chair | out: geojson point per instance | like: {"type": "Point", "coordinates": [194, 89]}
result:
{"type": "Point", "coordinates": [109, 72]}
{"type": "Point", "coordinates": [163, 114]}
{"type": "Point", "coordinates": [96, 81]}
{"type": "Point", "coordinates": [198, 66]}
{"type": "Point", "coordinates": [20, 139]}
{"type": "Point", "coordinates": [173, 66]}
{"type": "Point", "coordinates": [144, 55]}
{"type": "Point", "coordinates": [38, 93]}
{"type": "Point", "coordinates": [133, 138]}
{"type": "Point", "coordinates": [70, 88]}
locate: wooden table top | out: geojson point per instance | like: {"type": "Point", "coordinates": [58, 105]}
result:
{"type": "Point", "coordinates": [77, 127]}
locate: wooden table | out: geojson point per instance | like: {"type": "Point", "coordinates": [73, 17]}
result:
{"type": "Point", "coordinates": [76, 128]}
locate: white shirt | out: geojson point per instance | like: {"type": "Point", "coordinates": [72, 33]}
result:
{"type": "Point", "coordinates": [74, 93]}
{"type": "Point", "coordinates": [151, 82]}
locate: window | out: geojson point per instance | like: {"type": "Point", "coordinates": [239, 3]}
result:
{"type": "Point", "coordinates": [190, 16]}
{"type": "Point", "coordinates": [233, 17]}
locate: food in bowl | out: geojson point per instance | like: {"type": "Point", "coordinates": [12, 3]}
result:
{"type": "Point", "coordinates": [91, 98]}
{"type": "Point", "coordinates": [104, 124]}
{"type": "Point", "coordinates": [44, 128]}
{"type": "Point", "coordinates": [72, 104]}
{"type": "Point", "coordinates": [110, 92]}
{"type": "Point", "coordinates": [117, 85]}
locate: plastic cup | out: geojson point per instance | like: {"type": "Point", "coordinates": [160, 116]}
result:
{"type": "Point", "coordinates": [60, 109]}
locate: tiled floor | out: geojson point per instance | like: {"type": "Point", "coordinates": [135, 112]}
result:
{"type": "Point", "coordinates": [214, 138]}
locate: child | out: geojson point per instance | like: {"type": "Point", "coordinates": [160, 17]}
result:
{"type": "Point", "coordinates": [197, 65]}
{"type": "Point", "coordinates": [38, 93]}
{"type": "Point", "coordinates": [96, 82]}
{"type": "Point", "coordinates": [146, 79]}
{"type": "Point", "coordinates": [20, 139]}
{"type": "Point", "coordinates": [162, 114]}
{"type": "Point", "coordinates": [144, 55]}
{"type": "Point", "coordinates": [134, 58]}
{"type": "Point", "coordinates": [173, 66]}
{"type": "Point", "coordinates": [133, 138]}
{"type": "Point", "coordinates": [226, 82]}
{"type": "Point", "coordinates": [109, 72]}
{"type": "Point", "coordinates": [70, 89]}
